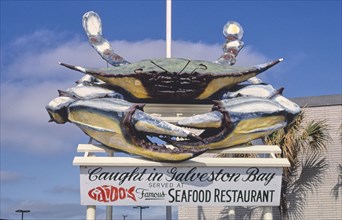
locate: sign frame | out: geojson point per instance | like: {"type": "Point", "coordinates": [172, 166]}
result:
{"type": "Point", "coordinates": [109, 164]}
{"type": "Point", "coordinates": [175, 186]}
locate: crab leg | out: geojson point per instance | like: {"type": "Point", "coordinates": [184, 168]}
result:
{"type": "Point", "coordinates": [93, 27]}
{"type": "Point", "coordinates": [254, 90]}
{"type": "Point", "coordinates": [82, 91]}
{"type": "Point", "coordinates": [208, 120]}
{"type": "Point", "coordinates": [267, 91]}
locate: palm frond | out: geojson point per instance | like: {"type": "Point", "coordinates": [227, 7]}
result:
{"type": "Point", "coordinates": [289, 140]}
{"type": "Point", "coordinates": [312, 172]}
{"type": "Point", "coordinates": [304, 179]}
{"type": "Point", "coordinates": [294, 173]}
{"type": "Point", "coordinates": [316, 135]}
{"type": "Point", "coordinates": [296, 205]}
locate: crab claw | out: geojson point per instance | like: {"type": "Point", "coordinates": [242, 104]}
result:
{"type": "Point", "coordinates": [236, 121]}
{"type": "Point", "coordinates": [125, 127]}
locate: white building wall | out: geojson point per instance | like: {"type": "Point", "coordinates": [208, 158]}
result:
{"type": "Point", "coordinates": [321, 204]}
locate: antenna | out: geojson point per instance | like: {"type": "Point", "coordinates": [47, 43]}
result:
{"type": "Point", "coordinates": [168, 28]}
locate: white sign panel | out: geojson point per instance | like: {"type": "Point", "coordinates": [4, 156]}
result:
{"type": "Point", "coordinates": [167, 186]}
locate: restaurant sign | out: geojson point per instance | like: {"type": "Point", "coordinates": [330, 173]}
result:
{"type": "Point", "coordinates": [159, 186]}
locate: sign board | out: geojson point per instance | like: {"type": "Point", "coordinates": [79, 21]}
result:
{"type": "Point", "coordinates": [174, 186]}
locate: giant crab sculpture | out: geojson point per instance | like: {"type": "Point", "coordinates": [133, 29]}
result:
{"type": "Point", "coordinates": [244, 109]}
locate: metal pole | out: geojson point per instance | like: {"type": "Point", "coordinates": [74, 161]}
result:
{"type": "Point", "coordinates": [109, 209]}
{"type": "Point", "coordinates": [109, 212]}
{"type": "Point", "coordinates": [168, 28]}
{"type": "Point", "coordinates": [168, 55]}
{"type": "Point", "coordinates": [231, 209]}
{"type": "Point", "coordinates": [91, 212]}
{"type": "Point", "coordinates": [267, 214]}
{"type": "Point", "coordinates": [168, 212]}
{"type": "Point", "coordinates": [231, 213]}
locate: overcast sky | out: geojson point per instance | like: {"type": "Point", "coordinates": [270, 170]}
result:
{"type": "Point", "coordinates": [36, 156]}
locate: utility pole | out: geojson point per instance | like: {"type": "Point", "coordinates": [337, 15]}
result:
{"type": "Point", "coordinates": [22, 212]}
{"type": "Point", "coordinates": [141, 208]}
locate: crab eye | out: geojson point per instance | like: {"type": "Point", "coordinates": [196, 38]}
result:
{"type": "Point", "coordinates": [92, 24]}
{"type": "Point", "coordinates": [233, 31]}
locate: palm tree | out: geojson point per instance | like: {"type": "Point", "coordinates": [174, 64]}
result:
{"type": "Point", "coordinates": [303, 144]}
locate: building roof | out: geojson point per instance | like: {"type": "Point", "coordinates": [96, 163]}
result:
{"type": "Point", "coordinates": [316, 101]}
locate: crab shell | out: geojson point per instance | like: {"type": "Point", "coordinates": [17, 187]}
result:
{"type": "Point", "coordinates": [174, 79]}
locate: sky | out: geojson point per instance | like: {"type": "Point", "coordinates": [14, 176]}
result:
{"type": "Point", "coordinates": [36, 156]}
